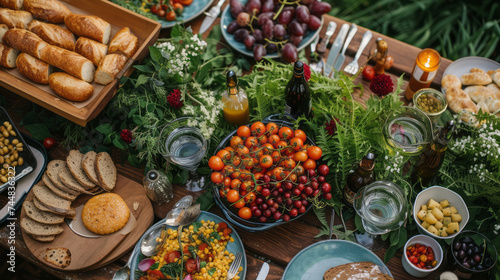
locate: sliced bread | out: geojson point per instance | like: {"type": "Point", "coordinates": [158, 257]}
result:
{"type": "Point", "coordinates": [60, 257]}
{"type": "Point", "coordinates": [106, 171]}
{"type": "Point", "coordinates": [70, 214]}
{"type": "Point", "coordinates": [35, 228]}
{"type": "Point", "coordinates": [51, 200]}
{"type": "Point", "coordinates": [42, 238]}
{"type": "Point", "coordinates": [53, 169]}
{"type": "Point", "coordinates": [69, 181]}
{"type": "Point", "coordinates": [41, 216]}
{"type": "Point", "coordinates": [88, 165]}
{"type": "Point", "coordinates": [62, 193]}
{"type": "Point", "coordinates": [74, 162]}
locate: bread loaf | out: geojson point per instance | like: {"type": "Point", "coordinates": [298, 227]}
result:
{"type": "Point", "coordinates": [24, 41]}
{"type": "Point", "coordinates": [92, 27]}
{"type": "Point", "coordinates": [49, 10]}
{"type": "Point", "coordinates": [70, 62]}
{"type": "Point", "coordinates": [53, 34]}
{"type": "Point", "coordinates": [8, 56]}
{"type": "Point", "coordinates": [70, 87]}
{"type": "Point", "coordinates": [124, 42]}
{"type": "Point", "coordinates": [92, 50]}
{"type": "Point", "coordinates": [15, 19]}
{"type": "Point", "coordinates": [12, 4]}
{"type": "Point", "coordinates": [34, 69]}
{"type": "Point", "coordinates": [109, 67]}
{"type": "Point", "coordinates": [3, 28]}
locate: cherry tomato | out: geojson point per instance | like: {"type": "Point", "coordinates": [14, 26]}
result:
{"type": "Point", "coordinates": [368, 72]}
{"type": "Point", "coordinates": [171, 256]}
{"type": "Point", "coordinates": [224, 155]}
{"type": "Point", "coordinates": [170, 16]}
{"type": "Point", "coordinates": [160, 13]}
{"type": "Point", "coordinates": [191, 266]}
{"type": "Point", "coordinates": [232, 196]}
{"type": "Point", "coordinates": [272, 128]}
{"type": "Point", "coordinates": [156, 273]}
{"type": "Point", "coordinates": [215, 163]}
{"type": "Point", "coordinates": [266, 161]}
{"type": "Point", "coordinates": [216, 177]}
{"type": "Point", "coordinates": [300, 156]}
{"type": "Point", "coordinates": [389, 61]}
{"type": "Point", "coordinates": [178, 8]}
{"type": "Point", "coordinates": [239, 204]}
{"type": "Point", "coordinates": [301, 134]}
{"type": "Point", "coordinates": [235, 141]}
{"type": "Point", "coordinates": [245, 213]}
{"type": "Point", "coordinates": [243, 131]}
{"type": "Point", "coordinates": [258, 128]}
{"type": "Point", "coordinates": [49, 143]}
{"type": "Point", "coordinates": [186, 2]}
{"type": "Point", "coordinates": [309, 164]}
{"type": "Point", "coordinates": [155, 8]}
{"type": "Point", "coordinates": [314, 152]}
{"type": "Point", "coordinates": [286, 133]}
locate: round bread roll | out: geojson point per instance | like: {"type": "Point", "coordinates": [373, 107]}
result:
{"type": "Point", "coordinates": [105, 213]}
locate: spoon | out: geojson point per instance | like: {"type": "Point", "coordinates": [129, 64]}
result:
{"type": "Point", "coordinates": [124, 272]}
{"type": "Point", "coordinates": [155, 239]}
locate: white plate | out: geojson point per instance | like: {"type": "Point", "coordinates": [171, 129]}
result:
{"type": "Point", "coordinates": [463, 65]}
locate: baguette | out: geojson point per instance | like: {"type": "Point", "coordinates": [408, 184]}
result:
{"type": "Point", "coordinates": [50, 10]}
{"type": "Point", "coordinates": [91, 49]}
{"type": "Point", "coordinates": [70, 87]}
{"type": "Point", "coordinates": [15, 19]}
{"type": "Point", "coordinates": [124, 42]}
{"type": "Point", "coordinates": [53, 34]}
{"type": "Point", "coordinates": [92, 27]}
{"type": "Point", "coordinates": [70, 62]}
{"type": "Point", "coordinates": [24, 41]}
{"type": "Point", "coordinates": [34, 69]}
{"type": "Point", "coordinates": [8, 56]}
{"type": "Point", "coordinates": [3, 28]}
{"type": "Point", "coordinates": [12, 4]}
{"type": "Point", "coordinates": [109, 67]}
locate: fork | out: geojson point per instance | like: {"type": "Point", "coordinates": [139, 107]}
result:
{"type": "Point", "coordinates": [233, 269]}
{"type": "Point", "coordinates": [353, 67]}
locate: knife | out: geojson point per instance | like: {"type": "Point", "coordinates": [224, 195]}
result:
{"type": "Point", "coordinates": [324, 41]}
{"type": "Point", "coordinates": [211, 16]}
{"type": "Point", "coordinates": [341, 58]}
{"type": "Point", "coordinates": [264, 270]}
{"type": "Point", "coordinates": [335, 49]}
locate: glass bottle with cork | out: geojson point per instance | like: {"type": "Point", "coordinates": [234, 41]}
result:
{"type": "Point", "coordinates": [235, 102]}
{"type": "Point", "coordinates": [424, 71]}
{"type": "Point", "coordinates": [297, 93]}
{"type": "Point", "coordinates": [356, 179]}
{"type": "Point", "coordinates": [431, 159]}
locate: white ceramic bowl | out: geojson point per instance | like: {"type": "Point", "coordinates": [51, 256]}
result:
{"type": "Point", "coordinates": [438, 194]}
{"type": "Point", "coordinates": [427, 241]}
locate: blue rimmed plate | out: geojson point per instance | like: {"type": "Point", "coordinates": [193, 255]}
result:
{"type": "Point", "coordinates": [232, 247]}
{"type": "Point", "coordinates": [312, 262]}
{"type": "Point", "coordinates": [189, 13]}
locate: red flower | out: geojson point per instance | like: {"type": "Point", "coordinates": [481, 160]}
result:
{"type": "Point", "coordinates": [381, 85]}
{"type": "Point", "coordinates": [307, 72]}
{"type": "Point", "coordinates": [174, 99]}
{"type": "Point", "coordinates": [331, 126]}
{"type": "Point", "coordinates": [126, 135]}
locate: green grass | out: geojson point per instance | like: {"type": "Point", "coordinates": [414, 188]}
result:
{"type": "Point", "coordinates": [455, 28]}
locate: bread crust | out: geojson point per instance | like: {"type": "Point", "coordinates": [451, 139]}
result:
{"type": "Point", "coordinates": [105, 213]}
{"type": "Point", "coordinates": [109, 67]}
{"type": "Point", "coordinates": [8, 56]}
{"type": "Point", "coordinates": [33, 68]}
{"type": "Point", "coordinates": [53, 34]}
{"type": "Point", "coordinates": [12, 4]}
{"type": "Point", "coordinates": [3, 28]}
{"type": "Point", "coordinates": [15, 19]}
{"type": "Point", "coordinates": [50, 10]}
{"type": "Point", "coordinates": [106, 171]}
{"type": "Point", "coordinates": [92, 27]}
{"type": "Point", "coordinates": [124, 42]}
{"type": "Point", "coordinates": [356, 270]}
{"type": "Point", "coordinates": [91, 49]}
{"type": "Point", "coordinates": [70, 87]}
{"type": "Point", "coordinates": [24, 41]}
{"type": "Point", "coordinates": [70, 62]}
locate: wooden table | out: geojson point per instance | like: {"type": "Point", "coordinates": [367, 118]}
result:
{"type": "Point", "coordinates": [278, 245]}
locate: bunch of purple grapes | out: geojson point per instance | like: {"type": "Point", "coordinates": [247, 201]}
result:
{"type": "Point", "coordinates": [269, 26]}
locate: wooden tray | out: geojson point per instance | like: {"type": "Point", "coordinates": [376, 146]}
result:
{"type": "Point", "coordinates": [92, 253]}
{"type": "Point", "coordinates": [145, 29]}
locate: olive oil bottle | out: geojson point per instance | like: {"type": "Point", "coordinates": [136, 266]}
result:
{"type": "Point", "coordinates": [359, 177]}
{"type": "Point", "coordinates": [235, 102]}
{"type": "Point", "coordinates": [297, 93]}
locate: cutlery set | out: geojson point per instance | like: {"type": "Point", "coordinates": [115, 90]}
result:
{"type": "Point", "coordinates": [336, 57]}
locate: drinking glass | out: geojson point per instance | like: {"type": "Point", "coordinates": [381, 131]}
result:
{"type": "Point", "coordinates": [382, 208]}
{"type": "Point", "coordinates": [182, 143]}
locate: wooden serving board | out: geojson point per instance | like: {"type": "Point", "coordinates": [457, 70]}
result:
{"type": "Point", "coordinates": [146, 30]}
{"type": "Point", "coordinates": [92, 253]}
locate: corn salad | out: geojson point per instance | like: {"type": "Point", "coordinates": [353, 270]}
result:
{"type": "Point", "coordinates": [206, 240]}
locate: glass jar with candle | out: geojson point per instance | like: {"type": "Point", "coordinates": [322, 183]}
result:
{"type": "Point", "coordinates": [235, 102]}
{"type": "Point", "coordinates": [424, 71]}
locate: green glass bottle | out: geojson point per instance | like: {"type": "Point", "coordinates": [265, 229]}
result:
{"type": "Point", "coordinates": [297, 93]}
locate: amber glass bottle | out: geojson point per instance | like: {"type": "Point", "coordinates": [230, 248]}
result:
{"type": "Point", "coordinates": [297, 93]}
{"type": "Point", "coordinates": [424, 71]}
{"type": "Point", "coordinates": [356, 179]}
{"type": "Point", "coordinates": [430, 160]}
{"type": "Point", "coordinates": [235, 102]}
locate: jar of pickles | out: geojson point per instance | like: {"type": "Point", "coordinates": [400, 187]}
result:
{"type": "Point", "coordinates": [430, 101]}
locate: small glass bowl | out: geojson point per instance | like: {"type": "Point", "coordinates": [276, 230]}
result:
{"type": "Point", "coordinates": [408, 129]}
{"type": "Point", "coordinates": [432, 95]}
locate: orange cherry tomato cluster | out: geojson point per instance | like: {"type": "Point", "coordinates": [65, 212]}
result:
{"type": "Point", "coordinates": [269, 172]}
{"type": "Point", "coordinates": [171, 10]}
{"type": "Point", "coordinates": [421, 256]}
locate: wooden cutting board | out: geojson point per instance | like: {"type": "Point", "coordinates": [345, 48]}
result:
{"type": "Point", "coordinates": [92, 253]}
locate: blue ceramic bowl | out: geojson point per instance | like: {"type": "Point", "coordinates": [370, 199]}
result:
{"type": "Point", "coordinates": [189, 13]}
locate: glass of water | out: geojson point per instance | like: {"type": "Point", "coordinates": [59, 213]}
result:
{"type": "Point", "coordinates": [182, 143]}
{"type": "Point", "coordinates": [382, 208]}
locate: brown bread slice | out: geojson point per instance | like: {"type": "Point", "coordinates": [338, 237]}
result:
{"type": "Point", "coordinates": [60, 257]}
{"type": "Point", "coordinates": [356, 270]}
{"type": "Point", "coordinates": [53, 169]}
{"type": "Point", "coordinates": [41, 238]}
{"type": "Point", "coordinates": [52, 201]}
{"type": "Point", "coordinates": [69, 181]}
{"type": "Point", "coordinates": [70, 214]}
{"type": "Point", "coordinates": [33, 227]}
{"type": "Point", "coordinates": [62, 193]}
{"type": "Point", "coordinates": [106, 171]}
{"type": "Point", "coordinates": [41, 216]}
{"type": "Point", "coordinates": [74, 162]}
{"type": "Point", "coordinates": [88, 165]}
